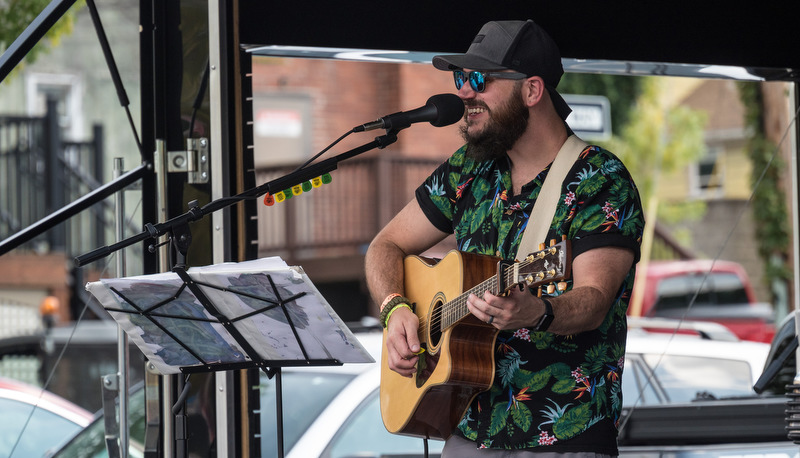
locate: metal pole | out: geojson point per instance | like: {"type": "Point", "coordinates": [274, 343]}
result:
{"type": "Point", "coordinates": [123, 356]}
{"type": "Point", "coordinates": [795, 189]}
{"type": "Point", "coordinates": [167, 381]}
{"type": "Point", "coordinates": [55, 183]}
{"type": "Point", "coordinates": [218, 49]}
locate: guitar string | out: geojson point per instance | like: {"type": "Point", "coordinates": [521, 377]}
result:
{"type": "Point", "coordinates": [450, 308]}
{"type": "Point", "coordinates": [456, 309]}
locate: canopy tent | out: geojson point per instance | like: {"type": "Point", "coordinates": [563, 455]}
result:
{"type": "Point", "coordinates": [759, 36]}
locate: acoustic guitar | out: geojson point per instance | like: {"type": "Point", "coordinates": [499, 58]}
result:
{"type": "Point", "coordinates": [458, 359]}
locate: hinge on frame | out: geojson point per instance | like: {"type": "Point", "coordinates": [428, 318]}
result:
{"type": "Point", "coordinates": [194, 160]}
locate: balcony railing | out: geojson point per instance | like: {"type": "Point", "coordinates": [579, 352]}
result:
{"type": "Point", "coordinates": [41, 172]}
{"type": "Point", "coordinates": [342, 217]}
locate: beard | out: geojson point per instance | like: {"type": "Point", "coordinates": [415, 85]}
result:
{"type": "Point", "coordinates": [505, 126]}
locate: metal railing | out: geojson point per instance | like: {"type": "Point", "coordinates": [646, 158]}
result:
{"type": "Point", "coordinates": [39, 173]}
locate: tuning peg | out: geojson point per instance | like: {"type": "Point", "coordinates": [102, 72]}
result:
{"type": "Point", "coordinates": [562, 286]}
{"type": "Point", "coordinates": [541, 246]}
{"type": "Point", "coordinates": [552, 242]}
{"type": "Point", "coordinates": [551, 288]}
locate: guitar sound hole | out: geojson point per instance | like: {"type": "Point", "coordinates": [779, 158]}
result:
{"type": "Point", "coordinates": [436, 325]}
{"type": "Point", "coordinates": [428, 359]}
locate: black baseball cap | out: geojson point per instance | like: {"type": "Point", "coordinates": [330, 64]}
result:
{"type": "Point", "coordinates": [521, 46]}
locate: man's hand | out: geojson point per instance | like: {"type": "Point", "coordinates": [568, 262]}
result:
{"type": "Point", "coordinates": [517, 310]}
{"type": "Point", "coordinates": [402, 341]}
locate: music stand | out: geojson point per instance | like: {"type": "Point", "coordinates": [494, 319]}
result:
{"type": "Point", "coordinates": [260, 313]}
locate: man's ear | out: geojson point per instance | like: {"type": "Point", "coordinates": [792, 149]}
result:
{"type": "Point", "coordinates": [532, 90]}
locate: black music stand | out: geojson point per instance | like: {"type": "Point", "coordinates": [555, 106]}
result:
{"type": "Point", "coordinates": [259, 313]}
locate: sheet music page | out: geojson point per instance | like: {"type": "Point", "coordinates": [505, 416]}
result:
{"type": "Point", "coordinates": [276, 308]}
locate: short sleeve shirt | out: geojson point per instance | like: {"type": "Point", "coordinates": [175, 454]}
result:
{"type": "Point", "coordinates": [551, 393]}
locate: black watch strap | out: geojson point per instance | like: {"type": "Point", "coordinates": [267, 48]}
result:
{"type": "Point", "coordinates": [547, 317]}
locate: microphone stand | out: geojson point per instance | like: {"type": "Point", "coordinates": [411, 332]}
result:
{"type": "Point", "coordinates": [196, 212]}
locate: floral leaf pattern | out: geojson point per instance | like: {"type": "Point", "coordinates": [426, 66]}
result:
{"type": "Point", "coordinates": [561, 393]}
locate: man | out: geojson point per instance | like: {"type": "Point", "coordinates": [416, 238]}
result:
{"type": "Point", "coordinates": [558, 359]}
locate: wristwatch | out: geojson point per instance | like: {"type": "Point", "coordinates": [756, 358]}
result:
{"type": "Point", "coordinates": [547, 317]}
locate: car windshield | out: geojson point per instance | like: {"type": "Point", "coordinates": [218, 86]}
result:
{"type": "Point", "coordinates": [30, 442]}
{"type": "Point", "coordinates": [305, 395]}
{"type": "Point", "coordinates": [365, 435]}
{"type": "Point", "coordinates": [90, 443]}
{"type": "Point", "coordinates": [663, 379]}
{"type": "Point", "coordinates": [717, 289]}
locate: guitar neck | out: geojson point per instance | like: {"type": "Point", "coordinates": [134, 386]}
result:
{"type": "Point", "coordinates": [544, 266]}
{"type": "Point", "coordinates": [456, 309]}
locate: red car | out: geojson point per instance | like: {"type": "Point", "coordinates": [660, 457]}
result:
{"type": "Point", "coordinates": [718, 291]}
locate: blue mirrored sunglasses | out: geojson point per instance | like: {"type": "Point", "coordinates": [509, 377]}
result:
{"type": "Point", "coordinates": [478, 79]}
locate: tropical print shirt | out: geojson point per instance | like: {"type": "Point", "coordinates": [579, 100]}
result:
{"type": "Point", "coordinates": [552, 393]}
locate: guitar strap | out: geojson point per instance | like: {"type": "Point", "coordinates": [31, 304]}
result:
{"type": "Point", "coordinates": [544, 209]}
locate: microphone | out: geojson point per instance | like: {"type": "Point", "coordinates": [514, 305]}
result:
{"type": "Point", "coordinates": [440, 110]}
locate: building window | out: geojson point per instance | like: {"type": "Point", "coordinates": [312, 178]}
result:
{"type": "Point", "coordinates": [67, 90]}
{"type": "Point", "coordinates": [708, 174]}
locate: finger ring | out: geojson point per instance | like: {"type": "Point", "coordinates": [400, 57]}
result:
{"type": "Point", "coordinates": [491, 318]}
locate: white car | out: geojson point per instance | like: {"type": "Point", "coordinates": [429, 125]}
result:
{"type": "Point", "coordinates": [666, 368]}
{"type": "Point", "coordinates": [333, 411]}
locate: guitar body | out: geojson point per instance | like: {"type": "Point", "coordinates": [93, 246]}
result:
{"type": "Point", "coordinates": [458, 362]}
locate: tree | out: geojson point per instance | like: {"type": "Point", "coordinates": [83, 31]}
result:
{"type": "Point", "coordinates": [769, 201]}
{"type": "Point", "coordinates": [16, 15]}
{"type": "Point", "coordinates": [658, 141]}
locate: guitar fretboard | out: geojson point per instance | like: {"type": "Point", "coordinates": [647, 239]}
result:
{"type": "Point", "coordinates": [544, 266]}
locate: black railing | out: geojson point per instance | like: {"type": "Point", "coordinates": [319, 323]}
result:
{"type": "Point", "coordinates": [22, 154]}
{"type": "Point", "coordinates": [40, 173]}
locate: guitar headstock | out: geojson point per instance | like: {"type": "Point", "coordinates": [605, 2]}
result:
{"type": "Point", "coordinates": [548, 265]}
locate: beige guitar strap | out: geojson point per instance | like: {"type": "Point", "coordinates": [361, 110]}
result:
{"type": "Point", "coordinates": [544, 209]}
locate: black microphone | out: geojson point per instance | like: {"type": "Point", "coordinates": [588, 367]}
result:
{"type": "Point", "coordinates": [440, 110]}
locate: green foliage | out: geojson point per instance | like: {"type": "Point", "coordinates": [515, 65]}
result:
{"type": "Point", "coordinates": [769, 200]}
{"type": "Point", "coordinates": [16, 15]}
{"type": "Point", "coordinates": [657, 142]}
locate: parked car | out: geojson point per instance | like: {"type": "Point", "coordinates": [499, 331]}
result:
{"type": "Point", "coordinates": [665, 368]}
{"type": "Point", "coordinates": [333, 411]}
{"type": "Point", "coordinates": [35, 421]}
{"type": "Point", "coordinates": [718, 291]}
{"type": "Point", "coordinates": [749, 425]}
